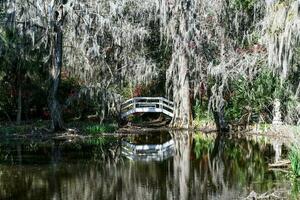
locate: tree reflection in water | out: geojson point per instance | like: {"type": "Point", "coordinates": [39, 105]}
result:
{"type": "Point", "coordinates": [181, 164]}
{"type": "Point", "coordinates": [202, 167]}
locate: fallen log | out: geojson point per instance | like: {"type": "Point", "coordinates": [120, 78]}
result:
{"type": "Point", "coordinates": [280, 164]}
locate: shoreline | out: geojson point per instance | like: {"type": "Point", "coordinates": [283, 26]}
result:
{"type": "Point", "coordinates": [287, 133]}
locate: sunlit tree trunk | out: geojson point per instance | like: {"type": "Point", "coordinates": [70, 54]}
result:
{"type": "Point", "coordinates": [180, 64]}
{"type": "Point", "coordinates": [181, 95]}
{"type": "Point", "coordinates": [54, 105]}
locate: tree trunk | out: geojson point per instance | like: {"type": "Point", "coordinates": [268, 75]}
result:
{"type": "Point", "coordinates": [54, 105]}
{"type": "Point", "coordinates": [221, 124]}
{"type": "Point", "coordinates": [181, 95]}
{"type": "Point", "coordinates": [181, 82]}
{"type": "Point", "coordinates": [219, 116]}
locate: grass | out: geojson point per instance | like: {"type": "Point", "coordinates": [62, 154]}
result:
{"type": "Point", "coordinates": [294, 156]}
{"type": "Point", "coordinates": [100, 128]}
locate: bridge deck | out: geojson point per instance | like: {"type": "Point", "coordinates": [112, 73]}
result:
{"type": "Point", "coordinates": [147, 105]}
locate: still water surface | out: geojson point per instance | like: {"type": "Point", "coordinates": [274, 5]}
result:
{"type": "Point", "coordinates": [175, 165]}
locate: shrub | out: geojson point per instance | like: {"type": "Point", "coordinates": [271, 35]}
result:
{"type": "Point", "coordinates": [251, 100]}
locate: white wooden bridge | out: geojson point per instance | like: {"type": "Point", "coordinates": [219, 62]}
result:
{"type": "Point", "coordinates": [147, 105]}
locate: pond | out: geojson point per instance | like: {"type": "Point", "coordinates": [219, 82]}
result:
{"type": "Point", "coordinates": [175, 165]}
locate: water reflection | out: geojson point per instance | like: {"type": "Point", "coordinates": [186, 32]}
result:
{"type": "Point", "coordinates": [151, 147]}
{"type": "Point", "coordinates": [200, 167]}
{"type": "Point", "coordinates": [181, 164]}
{"type": "Point", "coordinates": [277, 145]}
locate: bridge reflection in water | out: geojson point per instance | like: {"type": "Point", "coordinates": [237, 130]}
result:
{"type": "Point", "coordinates": [137, 148]}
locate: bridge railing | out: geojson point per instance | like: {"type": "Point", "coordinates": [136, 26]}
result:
{"type": "Point", "coordinates": [147, 104]}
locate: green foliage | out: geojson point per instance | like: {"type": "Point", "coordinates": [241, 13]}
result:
{"type": "Point", "coordinates": [264, 127]}
{"type": "Point", "coordinates": [125, 91]}
{"type": "Point", "coordinates": [251, 99]}
{"type": "Point", "coordinates": [294, 156]}
{"type": "Point", "coordinates": [201, 114]}
{"type": "Point", "coordinates": [100, 128]}
{"type": "Point", "coordinates": [244, 5]}
{"type": "Point", "coordinates": [198, 110]}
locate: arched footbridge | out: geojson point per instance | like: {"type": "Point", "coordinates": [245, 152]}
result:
{"type": "Point", "coordinates": [147, 105]}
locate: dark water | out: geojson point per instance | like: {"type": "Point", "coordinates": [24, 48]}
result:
{"type": "Point", "coordinates": [158, 166]}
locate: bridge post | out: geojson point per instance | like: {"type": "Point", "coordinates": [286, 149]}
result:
{"type": "Point", "coordinates": [133, 103]}
{"type": "Point", "coordinates": [161, 102]}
